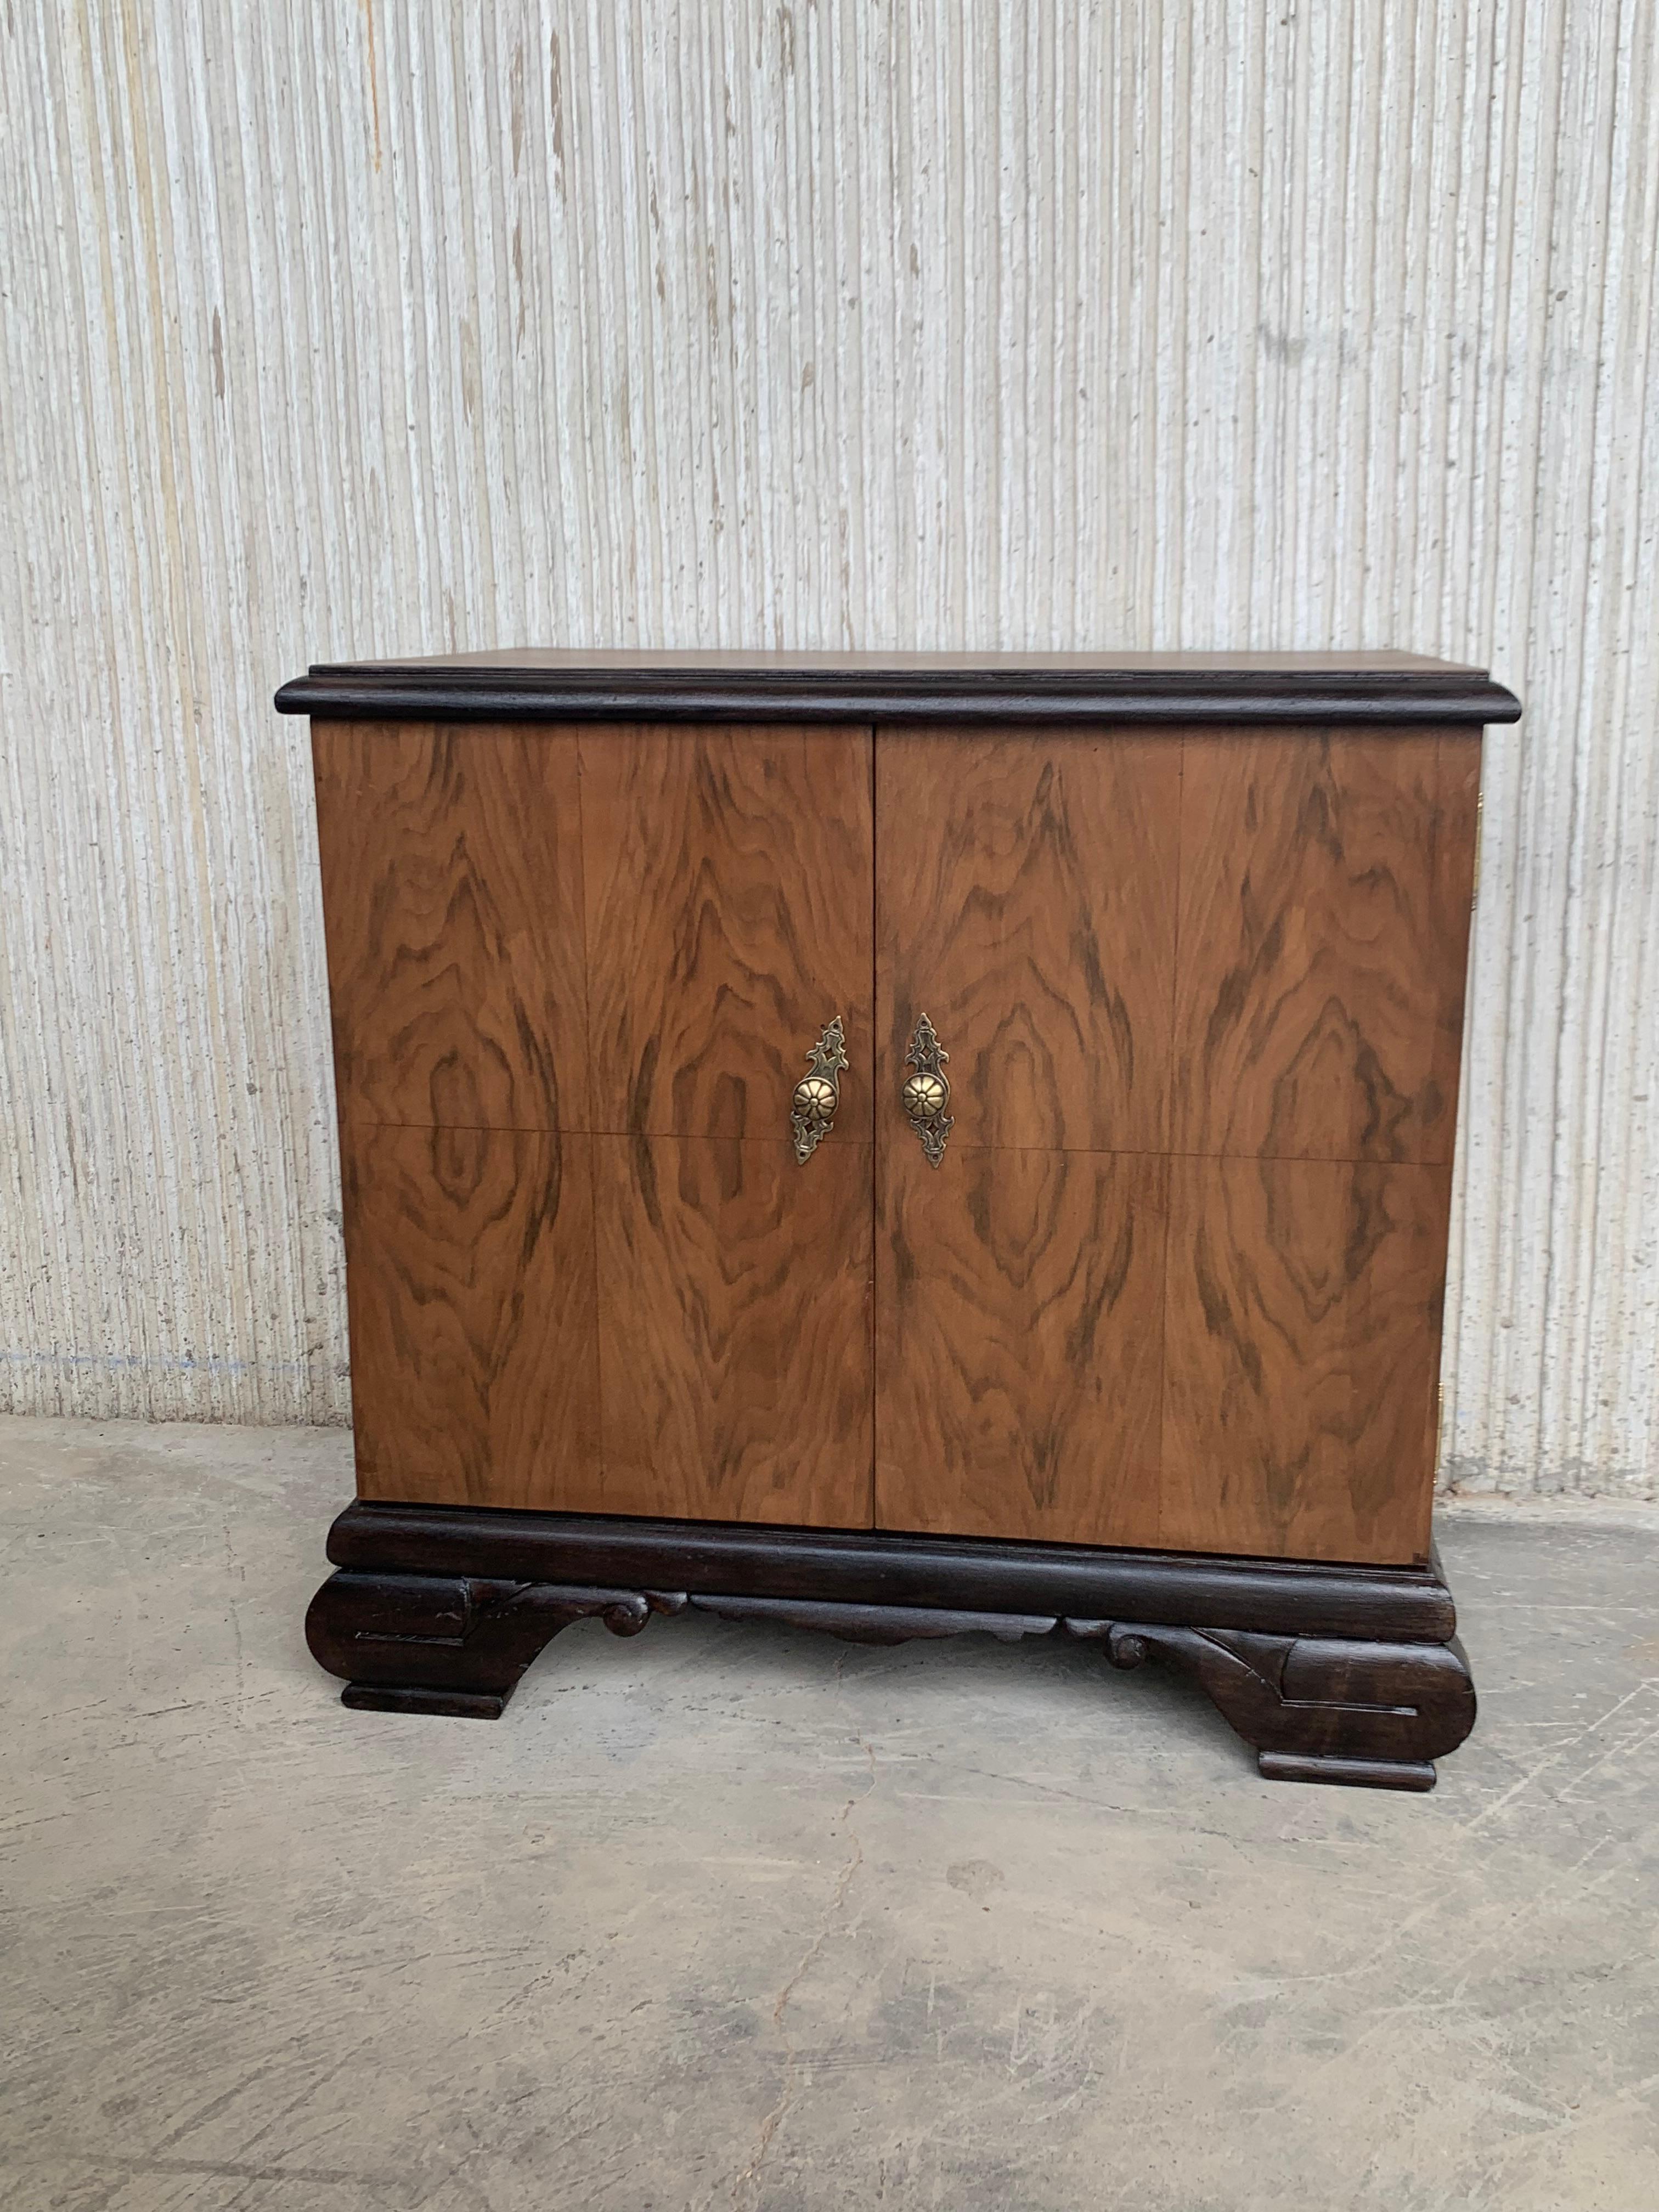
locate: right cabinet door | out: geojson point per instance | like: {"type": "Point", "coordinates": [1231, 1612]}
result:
{"type": "Point", "coordinates": [1176, 1279]}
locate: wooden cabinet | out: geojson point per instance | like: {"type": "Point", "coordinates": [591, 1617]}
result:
{"type": "Point", "coordinates": [1174, 950]}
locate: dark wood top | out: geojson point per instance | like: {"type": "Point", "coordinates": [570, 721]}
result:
{"type": "Point", "coordinates": [533, 684]}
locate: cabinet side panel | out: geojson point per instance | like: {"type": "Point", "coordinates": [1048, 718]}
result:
{"type": "Point", "coordinates": [452, 901]}
{"type": "Point", "coordinates": [729, 889]}
{"type": "Point", "coordinates": [470, 1274]}
{"type": "Point", "coordinates": [1302, 1350]}
{"type": "Point", "coordinates": [734, 1329]}
{"type": "Point", "coordinates": [1026, 904]}
{"type": "Point", "coordinates": [1019, 1344]}
{"type": "Point", "coordinates": [1325, 881]}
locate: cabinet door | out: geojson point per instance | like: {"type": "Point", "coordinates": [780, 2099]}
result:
{"type": "Point", "coordinates": [1026, 905]}
{"type": "Point", "coordinates": [576, 976]}
{"type": "Point", "coordinates": [1177, 1280]}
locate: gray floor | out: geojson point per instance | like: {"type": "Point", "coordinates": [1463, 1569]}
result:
{"type": "Point", "coordinates": [731, 1917]}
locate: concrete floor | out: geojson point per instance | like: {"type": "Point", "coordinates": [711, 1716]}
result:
{"type": "Point", "coordinates": [730, 1916]}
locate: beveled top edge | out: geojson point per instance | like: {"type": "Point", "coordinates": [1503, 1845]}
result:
{"type": "Point", "coordinates": [1068, 687]}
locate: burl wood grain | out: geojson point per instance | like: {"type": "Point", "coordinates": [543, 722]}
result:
{"type": "Point", "coordinates": [729, 896]}
{"type": "Point", "coordinates": [1302, 1352]}
{"type": "Point", "coordinates": [1019, 1328]}
{"type": "Point", "coordinates": [453, 903]}
{"type": "Point", "coordinates": [1325, 895]}
{"type": "Point", "coordinates": [1026, 902]}
{"type": "Point", "coordinates": [471, 1286]}
{"type": "Point", "coordinates": [734, 1329]}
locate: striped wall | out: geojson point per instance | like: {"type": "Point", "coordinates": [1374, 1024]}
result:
{"type": "Point", "coordinates": [336, 329]}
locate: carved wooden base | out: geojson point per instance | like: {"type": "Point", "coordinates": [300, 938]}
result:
{"type": "Point", "coordinates": [1350, 1674]}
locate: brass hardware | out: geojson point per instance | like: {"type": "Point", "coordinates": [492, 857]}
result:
{"type": "Point", "coordinates": [927, 1092]}
{"type": "Point", "coordinates": [812, 1109]}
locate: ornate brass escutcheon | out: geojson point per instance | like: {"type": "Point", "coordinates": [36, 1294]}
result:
{"type": "Point", "coordinates": [927, 1092]}
{"type": "Point", "coordinates": [812, 1109]}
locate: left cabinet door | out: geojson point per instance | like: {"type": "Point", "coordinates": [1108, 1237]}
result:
{"type": "Point", "coordinates": [575, 974]}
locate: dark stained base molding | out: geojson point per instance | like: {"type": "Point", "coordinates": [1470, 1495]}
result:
{"type": "Point", "coordinates": [1348, 1674]}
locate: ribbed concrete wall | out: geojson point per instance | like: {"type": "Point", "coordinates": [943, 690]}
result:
{"type": "Point", "coordinates": [338, 330]}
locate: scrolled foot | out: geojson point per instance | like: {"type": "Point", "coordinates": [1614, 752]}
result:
{"type": "Point", "coordinates": [430, 1644]}
{"type": "Point", "coordinates": [1317, 1709]}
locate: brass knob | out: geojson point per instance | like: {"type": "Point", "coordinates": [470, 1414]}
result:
{"type": "Point", "coordinates": [815, 1096]}
{"type": "Point", "coordinates": [815, 1099]}
{"type": "Point", "coordinates": [926, 1094]}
